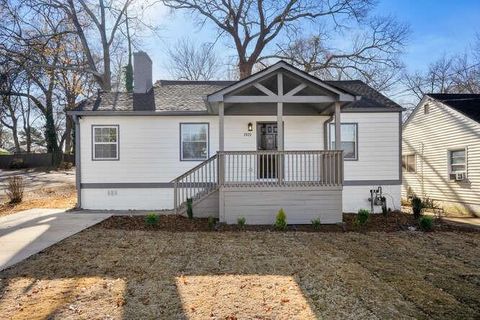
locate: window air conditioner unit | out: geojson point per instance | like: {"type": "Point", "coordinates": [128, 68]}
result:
{"type": "Point", "coordinates": [460, 176]}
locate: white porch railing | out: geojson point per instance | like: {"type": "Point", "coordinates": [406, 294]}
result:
{"type": "Point", "coordinates": [281, 168]}
{"type": "Point", "coordinates": [260, 169]}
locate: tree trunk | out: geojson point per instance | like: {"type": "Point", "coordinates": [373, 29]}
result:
{"type": "Point", "coordinates": [28, 138]}
{"type": "Point", "coordinates": [15, 135]}
{"type": "Point", "coordinates": [68, 134]}
{"type": "Point", "coordinates": [51, 137]}
{"type": "Point", "coordinates": [245, 69]}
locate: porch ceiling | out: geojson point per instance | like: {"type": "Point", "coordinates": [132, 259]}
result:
{"type": "Point", "coordinates": [270, 109]}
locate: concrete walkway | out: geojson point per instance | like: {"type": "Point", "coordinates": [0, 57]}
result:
{"type": "Point", "coordinates": [28, 232]}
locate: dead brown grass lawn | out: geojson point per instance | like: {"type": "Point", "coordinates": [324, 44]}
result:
{"type": "Point", "coordinates": [115, 274]}
{"type": "Point", "coordinates": [64, 197]}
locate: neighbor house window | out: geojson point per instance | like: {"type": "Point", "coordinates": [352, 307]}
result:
{"type": "Point", "coordinates": [409, 163]}
{"type": "Point", "coordinates": [457, 161]}
{"type": "Point", "coordinates": [193, 141]}
{"type": "Point", "coordinates": [105, 142]}
{"type": "Point", "coordinates": [349, 140]}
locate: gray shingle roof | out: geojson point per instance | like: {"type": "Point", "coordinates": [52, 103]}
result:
{"type": "Point", "coordinates": [370, 97]}
{"type": "Point", "coordinates": [468, 104]}
{"type": "Point", "coordinates": [169, 95]}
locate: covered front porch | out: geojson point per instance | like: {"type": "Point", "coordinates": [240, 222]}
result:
{"type": "Point", "coordinates": [267, 159]}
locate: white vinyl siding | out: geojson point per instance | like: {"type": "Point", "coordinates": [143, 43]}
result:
{"type": "Point", "coordinates": [432, 137]}
{"type": "Point", "coordinates": [378, 146]}
{"type": "Point", "coordinates": [149, 148]}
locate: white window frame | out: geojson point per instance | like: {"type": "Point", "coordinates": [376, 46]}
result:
{"type": "Point", "coordinates": [117, 143]}
{"type": "Point", "coordinates": [406, 162]}
{"type": "Point", "coordinates": [207, 141]}
{"type": "Point", "coordinates": [449, 160]}
{"type": "Point", "coordinates": [331, 137]}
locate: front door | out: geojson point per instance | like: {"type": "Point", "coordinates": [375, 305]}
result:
{"type": "Point", "coordinates": [267, 140]}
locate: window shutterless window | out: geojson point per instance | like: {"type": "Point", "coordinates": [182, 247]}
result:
{"type": "Point", "coordinates": [457, 161]}
{"type": "Point", "coordinates": [409, 163]}
{"type": "Point", "coordinates": [105, 142]}
{"type": "Point", "coordinates": [194, 141]}
{"type": "Point", "coordinates": [349, 140]}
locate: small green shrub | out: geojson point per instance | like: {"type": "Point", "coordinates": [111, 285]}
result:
{"type": "Point", "coordinates": [426, 223]}
{"type": "Point", "coordinates": [316, 223]}
{"type": "Point", "coordinates": [363, 216]}
{"type": "Point", "coordinates": [152, 219]}
{"type": "Point", "coordinates": [190, 208]}
{"type": "Point", "coordinates": [281, 220]}
{"type": "Point", "coordinates": [241, 221]}
{"type": "Point", "coordinates": [211, 222]}
{"type": "Point", "coordinates": [15, 188]}
{"type": "Point", "coordinates": [417, 207]}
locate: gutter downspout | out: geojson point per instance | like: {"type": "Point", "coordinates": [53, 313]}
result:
{"type": "Point", "coordinates": [325, 132]}
{"type": "Point", "coordinates": [78, 171]}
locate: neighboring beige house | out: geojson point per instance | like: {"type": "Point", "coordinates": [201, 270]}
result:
{"type": "Point", "coordinates": [280, 138]}
{"type": "Point", "coordinates": [441, 152]}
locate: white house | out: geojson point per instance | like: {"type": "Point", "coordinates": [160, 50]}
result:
{"type": "Point", "coordinates": [240, 148]}
{"type": "Point", "coordinates": [441, 152]}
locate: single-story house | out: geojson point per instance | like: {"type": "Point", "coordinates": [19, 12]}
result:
{"type": "Point", "coordinates": [441, 152]}
{"type": "Point", "coordinates": [280, 138]}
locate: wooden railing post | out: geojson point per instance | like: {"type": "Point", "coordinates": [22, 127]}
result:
{"type": "Point", "coordinates": [221, 168]}
{"type": "Point", "coordinates": [175, 196]}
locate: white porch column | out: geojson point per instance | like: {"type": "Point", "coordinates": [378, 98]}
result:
{"type": "Point", "coordinates": [280, 133]}
{"type": "Point", "coordinates": [280, 138]}
{"type": "Point", "coordinates": [221, 143]}
{"type": "Point", "coordinates": [221, 127]}
{"type": "Point", "coordinates": [338, 138]}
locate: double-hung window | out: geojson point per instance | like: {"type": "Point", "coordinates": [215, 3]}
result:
{"type": "Point", "coordinates": [194, 141]}
{"type": "Point", "coordinates": [105, 142]}
{"type": "Point", "coordinates": [349, 134]}
{"type": "Point", "coordinates": [409, 163]}
{"type": "Point", "coordinates": [457, 161]}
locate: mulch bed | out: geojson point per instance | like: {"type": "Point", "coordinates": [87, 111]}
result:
{"type": "Point", "coordinates": [393, 222]}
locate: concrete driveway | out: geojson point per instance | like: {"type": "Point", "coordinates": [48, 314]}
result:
{"type": "Point", "coordinates": [36, 179]}
{"type": "Point", "coordinates": [28, 232]}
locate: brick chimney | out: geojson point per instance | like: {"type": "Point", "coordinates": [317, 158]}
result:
{"type": "Point", "coordinates": [142, 72]}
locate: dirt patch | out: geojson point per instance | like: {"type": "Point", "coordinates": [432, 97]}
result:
{"type": "Point", "coordinates": [65, 197]}
{"type": "Point", "coordinates": [393, 222]}
{"type": "Point", "coordinates": [132, 274]}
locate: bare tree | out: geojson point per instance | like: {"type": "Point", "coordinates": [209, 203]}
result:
{"type": "Point", "coordinates": [373, 56]}
{"type": "Point", "coordinates": [455, 74]}
{"type": "Point", "coordinates": [96, 23]}
{"type": "Point", "coordinates": [254, 24]}
{"type": "Point", "coordinates": [190, 62]}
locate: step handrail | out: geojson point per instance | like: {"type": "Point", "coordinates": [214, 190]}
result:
{"type": "Point", "coordinates": [196, 182]}
{"type": "Point", "coordinates": [195, 168]}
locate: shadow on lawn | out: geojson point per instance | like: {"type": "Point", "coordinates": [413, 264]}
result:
{"type": "Point", "coordinates": [149, 275]}
{"type": "Point", "coordinates": [197, 275]}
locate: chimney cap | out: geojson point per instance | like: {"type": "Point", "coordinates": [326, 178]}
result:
{"type": "Point", "coordinates": [142, 53]}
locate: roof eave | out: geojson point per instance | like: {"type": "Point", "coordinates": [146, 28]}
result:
{"type": "Point", "coordinates": [136, 113]}
{"type": "Point", "coordinates": [218, 96]}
